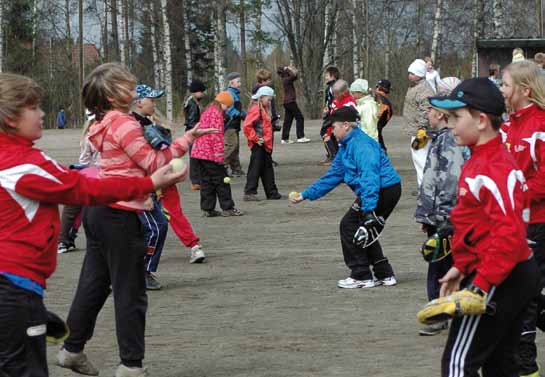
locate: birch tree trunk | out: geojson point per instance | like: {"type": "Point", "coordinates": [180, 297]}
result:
{"type": "Point", "coordinates": [367, 72]}
{"type": "Point", "coordinates": [115, 31]}
{"type": "Point", "coordinates": [167, 61]}
{"type": "Point", "coordinates": [243, 44]}
{"type": "Point", "coordinates": [220, 45]}
{"type": "Point", "coordinates": [326, 59]}
{"type": "Point", "coordinates": [1, 36]}
{"type": "Point", "coordinates": [356, 50]}
{"type": "Point", "coordinates": [120, 28]}
{"type": "Point", "coordinates": [185, 6]}
{"type": "Point", "coordinates": [436, 30]}
{"type": "Point", "coordinates": [388, 39]}
{"type": "Point", "coordinates": [105, 50]}
{"type": "Point", "coordinates": [478, 7]}
{"type": "Point", "coordinates": [150, 8]}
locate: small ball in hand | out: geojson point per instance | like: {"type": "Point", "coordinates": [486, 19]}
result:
{"type": "Point", "coordinates": [293, 194]}
{"type": "Point", "coordinates": [226, 180]}
{"type": "Point", "coordinates": [177, 164]}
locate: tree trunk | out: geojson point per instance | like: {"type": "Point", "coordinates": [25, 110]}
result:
{"type": "Point", "coordinates": [388, 39]}
{"type": "Point", "coordinates": [126, 40]}
{"type": "Point", "coordinates": [68, 31]}
{"type": "Point", "coordinates": [186, 5]}
{"type": "Point", "coordinates": [436, 30]}
{"type": "Point", "coordinates": [115, 31]}
{"type": "Point", "coordinates": [167, 61]}
{"type": "Point", "coordinates": [81, 111]}
{"type": "Point", "coordinates": [356, 46]}
{"type": "Point", "coordinates": [367, 46]}
{"type": "Point", "coordinates": [120, 33]}
{"type": "Point", "coordinates": [258, 33]}
{"type": "Point", "coordinates": [478, 7]}
{"type": "Point", "coordinates": [220, 45]}
{"type": "Point", "coordinates": [155, 50]}
{"type": "Point", "coordinates": [1, 36]}
{"type": "Point", "coordinates": [243, 44]}
{"type": "Point", "coordinates": [105, 37]}
{"type": "Point", "coordinates": [34, 29]}
{"type": "Point", "coordinates": [419, 32]}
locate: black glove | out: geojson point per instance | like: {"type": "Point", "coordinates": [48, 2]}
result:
{"type": "Point", "coordinates": [438, 246]}
{"type": "Point", "coordinates": [57, 330]}
{"type": "Point", "coordinates": [370, 229]}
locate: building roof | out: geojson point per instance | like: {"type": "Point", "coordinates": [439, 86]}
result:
{"type": "Point", "coordinates": [511, 43]}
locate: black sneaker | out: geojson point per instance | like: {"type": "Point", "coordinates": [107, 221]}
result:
{"type": "Point", "coordinates": [434, 329]}
{"type": "Point", "coordinates": [276, 196]}
{"type": "Point", "coordinates": [65, 247]}
{"type": "Point", "coordinates": [212, 213]}
{"type": "Point", "coordinates": [152, 284]}
{"type": "Point", "coordinates": [232, 212]}
{"type": "Point", "coordinates": [250, 198]}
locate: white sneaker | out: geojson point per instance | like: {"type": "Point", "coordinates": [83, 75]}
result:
{"type": "Point", "coordinates": [303, 140]}
{"type": "Point", "coordinates": [77, 362]}
{"type": "Point", "coordinates": [124, 371]}
{"type": "Point", "coordinates": [388, 282]}
{"type": "Point", "coordinates": [197, 255]}
{"type": "Point", "coordinates": [353, 283]}
{"type": "Point", "coordinates": [287, 142]}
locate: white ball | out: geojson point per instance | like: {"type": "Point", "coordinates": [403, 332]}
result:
{"type": "Point", "coordinates": [177, 164]}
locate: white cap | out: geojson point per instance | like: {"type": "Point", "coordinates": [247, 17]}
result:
{"type": "Point", "coordinates": [418, 68]}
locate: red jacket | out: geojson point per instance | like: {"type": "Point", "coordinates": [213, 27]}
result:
{"type": "Point", "coordinates": [346, 100]}
{"type": "Point", "coordinates": [31, 187]}
{"type": "Point", "coordinates": [489, 230]}
{"type": "Point", "coordinates": [526, 142]}
{"type": "Point", "coordinates": [210, 147]}
{"type": "Point", "coordinates": [254, 131]}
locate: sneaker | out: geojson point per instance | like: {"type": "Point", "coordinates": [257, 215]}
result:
{"type": "Point", "coordinates": [195, 187]}
{"type": "Point", "coordinates": [303, 140]}
{"type": "Point", "coordinates": [125, 371]}
{"type": "Point", "coordinates": [232, 212]}
{"type": "Point", "coordinates": [353, 283]}
{"type": "Point", "coordinates": [238, 173]}
{"type": "Point", "coordinates": [287, 142]}
{"type": "Point", "coordinates": [388, 282]}
{"type": "Point", "coordinates": [434, 329]}
{"type": "Point", "coordinates": [64, 247]}
{"type": "Point", "coordinates": [197, 255]}
{"type": "Point", "coordinates": [152, 284]}
{"type": "Point", "coordinates": [212, 213]}
{"type": "Point", "coordinates": [77, 362]}
{"type": "Point", "coordinates": [250, 198]}
{"type": "Point", "coordinates": [276, 196]}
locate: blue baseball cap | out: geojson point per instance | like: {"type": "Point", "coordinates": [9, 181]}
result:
{"type": "Point", "coordinates": [477, 93]}
{"type": "Point", "coordinates": [146, 91]}
{"type": "Point", "coordinates": [263, 91]}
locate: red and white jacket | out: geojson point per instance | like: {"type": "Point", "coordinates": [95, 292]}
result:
{"type": "Point", "coordinates": [345, 100]}
{"type": "Point", "coordinates": [526, 142]}
{"type": "Point", "coordinates": [490, 216]}
{"type": "Point", "coordinates": [31, 187]}
{"type": "Point", "coordinates": [119, 138]}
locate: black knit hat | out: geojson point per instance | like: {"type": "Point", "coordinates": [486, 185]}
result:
{"type": "Point", "coordinates": [385, 84]}
{"type": "Point", "coordinates": [196, 86]}
{"type": "Point", "coordinates": [345, 114]}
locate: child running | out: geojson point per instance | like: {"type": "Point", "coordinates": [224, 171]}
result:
{"type": "Point", "coordinates": [363, 166]}
{"type": "Point", "coordinates": [114, 261]}
{"type": "Point", "coordinates": [524, 92]}
{"type": "Point", "coordinates": [258, 129]}
{"type": "Point", "coordinates": [31, 187]}
{"type": "Point", "coordinates": [208, 152]}
{"type": "Point", "coordinates": [492, 261]}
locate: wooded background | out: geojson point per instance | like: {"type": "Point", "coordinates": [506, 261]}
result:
{"type": "Point", "coordinates": [167, 43]}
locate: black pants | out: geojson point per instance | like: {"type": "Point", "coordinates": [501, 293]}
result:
{"type": "Point", "coordinates": [212, 186]}
{"type": "Point", "coordinates": [528, 350]}
{"type": "Point", "coordinates": [115, 257]}
{"type": "Point", "coordinates": [194, 173]}
{"type": "Point", "coordinates": [332, 145]}
{"type": "Point", "coordinates": [360, 259]}
{"type": "Point", "coordinates": [291, 111]}
{"type": "Point", "coordinates": [491, 342]}
{"type": "Point", "coordinates": [260, 167]}
{"type": "Point", "coordinates": [22, 332]}
{"type": "Point", "coordinates": [381, 139]}
{"type": "Point", "coordinates": [68, 217]}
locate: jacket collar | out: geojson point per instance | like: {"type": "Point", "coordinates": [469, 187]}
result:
{"type": "Point", "coordinates": [15, 139]}
{"type": "Point", "coordinates": [490, 145]}
{"type": "Point", "coordinates": [349, 136]}
{"type": "Point", "coordinates": [524, 112]}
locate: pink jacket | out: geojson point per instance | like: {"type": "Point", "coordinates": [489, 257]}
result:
{"type": "Point", "coordinates": [119, 139]}
{"type": "Point", "coordinates": [210, 147]}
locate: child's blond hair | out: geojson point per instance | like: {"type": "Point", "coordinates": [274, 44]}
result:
{"type": "Point", "coordinates": [16, 93]}
{"type": "Point", "coordinates": [108, 87]}
{"type": "Point", "coordinates": [526, 75]}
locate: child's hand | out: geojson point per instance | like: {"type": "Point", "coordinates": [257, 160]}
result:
{"type": "Point", "coordinates": [424, 227]}
{"type": "Point", "coordinates": [260, 141]}
{"type": "Point", "coordinates": [197, 132]}
{"type": "Point", "coordinates": [165, 177]}
{"type": "Point", "coordinates": [296, 197]}
{"type": "Point", "coordinates": [450, 283]}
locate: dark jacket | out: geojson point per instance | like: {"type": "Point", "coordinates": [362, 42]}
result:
{"type": "Point", "coordinates": [329, 95]}
{"type": "Point", "coordinates": [385, 110]}
{"type": "Point", "coordinates": [192, 112]}
{"type": "Point", "coordinates": [288, 78]}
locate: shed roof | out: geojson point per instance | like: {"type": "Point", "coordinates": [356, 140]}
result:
{"type": "Point", "coordinates": [511, 43]}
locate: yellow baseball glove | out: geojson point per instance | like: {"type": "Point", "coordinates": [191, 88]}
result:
{"type": "Point", "coordinates": [421, 139]}
{"type": "Point", "coordinates": [57, 330]}
{"type": "Point", "coordinates": [469, 301]}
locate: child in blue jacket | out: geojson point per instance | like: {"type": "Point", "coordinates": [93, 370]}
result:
{"type": "Point", "coordinates": [364, 167]}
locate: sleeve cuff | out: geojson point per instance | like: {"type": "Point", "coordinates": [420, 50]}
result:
{"type": "Point", "coordinates": [147, 185]}
{"type": "Point", "coordinates": [481, 282]}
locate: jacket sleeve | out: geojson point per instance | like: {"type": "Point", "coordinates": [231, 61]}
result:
{"type": "Point", "coordinates": [368, 165]}
{"type": "Point", "coordinates": [45, 180]}
{"type": "Point", "coordinates": [425, 202]}
{"type": "Point", "coordinates": [327, 182]}
{"type": "Point", "coordinates": [503, 253]}
{"type": "Point", "coordinates": [192, 114]}
{"type": "Point", "coordinates": [131, 139]}
{"type": "Point", "coordinates": [422, 109]}
{"type": "Point", "coordinates": [248, 125]}
{"type": "Point", "coordinates": [448, 169]}
{"type": "Point", "coordinates": [536, 182]}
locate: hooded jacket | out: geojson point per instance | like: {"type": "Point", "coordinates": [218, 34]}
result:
{"type": "Point", "coordinates": [362, 165]}
{"type": "Point", "coordinates": [119, 138]}
{"type": "Point", "coordinates": [257, 124]}
{"type": "Point", "coordinates": [368, 110]}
